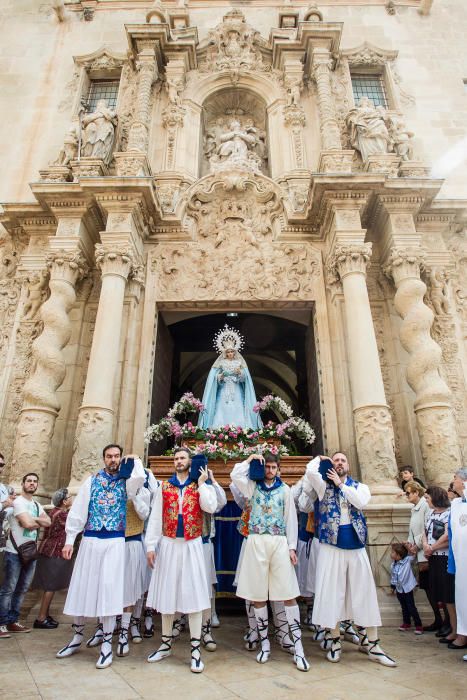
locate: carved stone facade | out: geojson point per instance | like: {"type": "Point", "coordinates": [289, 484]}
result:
{"type": "Point", "coordinates": [236, 169]}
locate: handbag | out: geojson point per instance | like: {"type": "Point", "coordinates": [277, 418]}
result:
{"type": "Point", "coordinates": [27, 552]}
{"type": "Point", "coordinates": [437, 529]}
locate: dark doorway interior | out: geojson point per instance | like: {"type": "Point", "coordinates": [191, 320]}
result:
{"type": "Point", "coordinates": [277, 351]}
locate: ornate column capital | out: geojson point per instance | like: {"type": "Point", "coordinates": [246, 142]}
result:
{"type": "Point", "coordinates": [404, 263]}
{"type": "Point", "coordinates": [116, 260]}
{"type": "Point", "coordinates": [349, 259]}
{"type": "Point", "coordinates": [67, 266]}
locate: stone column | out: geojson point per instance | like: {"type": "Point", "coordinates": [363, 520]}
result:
{"type": "Point", "coordinates": [333, 158]}
{"type": "Point", "coordinates": [134, 160]}
{"type": "Point", "coordinates": [433, 400]}
{"type": "Point", "coordinates": [372, 419]}
{"type": "Point", "coordinates": [40, 404]}
{"type": "Point", "coordinates": [95, 424]}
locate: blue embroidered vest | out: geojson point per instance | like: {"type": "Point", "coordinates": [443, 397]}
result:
{"type": "Point", "coordinates": [107, 503]}
{"type": "Point", "coordinates": [330, 516]}
{"type": "Point", "coordinates": [267, 510]}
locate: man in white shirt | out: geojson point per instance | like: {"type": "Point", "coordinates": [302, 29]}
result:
{"type": "Point", "coordinates": [25, 521]}
{"type": "Point", "coordinates": [267, 569]}
{"type": "Point", "coordinates": [345, 588]}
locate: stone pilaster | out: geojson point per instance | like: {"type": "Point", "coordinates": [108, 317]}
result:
{"type": "Point", "coordinates": [433, 400]}
{"type": "Point", "coordinates": [40, 402]}
{"type": "Point", "coordinates": [333, 158]}
{"type": "Point", "coordinates": [133, 161]}
{"type": "Point", "coordinates": [372, 420]}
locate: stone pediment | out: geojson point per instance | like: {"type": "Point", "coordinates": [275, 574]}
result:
{"type": "Point", "coordinates": [368, 55]}
{"type": "Point", "coordinates": [103, 59]}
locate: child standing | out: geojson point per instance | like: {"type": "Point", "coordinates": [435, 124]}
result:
{"type": "Point", "coordinates": [404, 582]}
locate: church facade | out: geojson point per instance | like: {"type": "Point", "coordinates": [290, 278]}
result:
{"type": "Point", "coordinates": [171, 160]}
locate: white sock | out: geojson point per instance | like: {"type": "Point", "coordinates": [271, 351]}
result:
{"type": "Point", "coordinates": [126, 617]}
{"type": "Point", "coordinates": [108, 625]}
{"type": "Point", "coordinates": [292, 613]}
{"type": "Point", "coordinates": [213, 602]}
{"type": "Point", "coordinates": [206, 616]}
{"type": "Point", "coordinates": [250, 611]}
{"type": "Point", "coordinates": [372, 634]}
{"type": "Point", "coordinates": [78, 628]}
{"type": "Point", "coordinates": [195, 621]}
{"type": "Point", "coordinates": [138, 608]}
{"type": "Point", "coordinates": [167, 622]}
{"type": "Point", "coordinates": [261, 615]}
{"type": "Point", "coordinates": [281, 621]}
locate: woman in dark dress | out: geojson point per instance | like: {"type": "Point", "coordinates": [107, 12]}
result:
{"type": "Point", "coordinates": [53, 573]}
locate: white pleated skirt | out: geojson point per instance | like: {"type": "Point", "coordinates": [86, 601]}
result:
{"type": "Point", "coordinates": [208, 551]}
{"type": "Point", "coordinates": [96, 586]}
{"type": "Point", "coordinates": [345, 588]}
{"type": "Point", "coordinates": [179, 582]}
{"type": "Point", "coordinates": [302, 567]}
{"type": "Point", "coordinates": [135, 572]}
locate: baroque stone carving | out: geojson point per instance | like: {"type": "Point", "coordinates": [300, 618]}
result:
{"type": "Point", "coordinates": [233, 45]}
{"type": "Point", "coordinates": [438, 291]}
{"type": "Point", "coordinates": [435, 419]}
{"type": "Point", "coordinates": [375, 443]}
{"type": "Point", "coordinates": [36, 293]}
{"type": "Point", "coordinates": [237, 212]}
{"type": "Point", "coordinates": [99, 133]}
{"type": "Point", "coordinates": [94, 429]}
{"type": "Point", "coordinates": [114, 260]}
{"type": "Point", "coordinates": [373, 131]}
{"type": "Point", "coordinates": [235, 143]}
{"type": "Point", "coordinates": [346, 259]}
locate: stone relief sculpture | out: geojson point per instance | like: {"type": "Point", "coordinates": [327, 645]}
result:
{"type": "Point", "coordinates": [439, 291]}
{"type": "Point", "coordinates": [233, 43]}
{"type": "Point", "coordinates": [37, 291]}
{"type": "Point", "coordinates": [374, 131]}
{"type": "Point", "coordinates": [235, 142]}
{"type": "Point", "coordinates": [98, 133]}
{"type": "Point", "coordinates": [69, 151]}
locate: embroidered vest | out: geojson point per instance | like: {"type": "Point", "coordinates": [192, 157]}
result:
{"type": "Point", "coordinates": [191, 511]}
{"type": "Point", "coordinates": [244, 521]}
{"type": "Point", "coordinates": [134, 524]}
{"type": "Point", "coordinates": [330, 516]}
{"type": "Point", "coordinates": [267, 511]}
{"type": "Point", "coordinates": [107, 504]}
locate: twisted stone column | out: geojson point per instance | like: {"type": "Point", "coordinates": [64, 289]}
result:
{"type": "Point", "coordinates": [372, 419]}
{"type": "Point", "coordinates": [96, 415]}
{"type": "Point", "coordinates": [139, 129]}
{"type": "Point", "coordinates": [330, 132]}
{"type": "Point", "coordinates": [40, 403]}
{"type": "Point", "coordinates": [433, 403]}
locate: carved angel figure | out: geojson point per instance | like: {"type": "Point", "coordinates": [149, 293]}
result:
{"type": "Point", "coordinates": [368, 131]}
{"type": "Point", "coordinates": [439, 292]}
{"type": "Point", "coordinates": [36, 294]}
{"type": "Point", "coordinates": [69, 151]}
{"type": "Point", "coordinates": [173, 91]}
{"type": "Point", "coordinates": [401, 138]}
{"type": "Point", "coordinates": [99, 132]}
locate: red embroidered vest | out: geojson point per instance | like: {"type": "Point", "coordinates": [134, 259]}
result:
{"type": "Point", "coordinates": [191, 511]}
{"type": "Point", "coordinates": [244, 521]}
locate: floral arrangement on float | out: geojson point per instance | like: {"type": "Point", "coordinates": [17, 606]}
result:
{"type": "Point", "coordinates": [231, 441]}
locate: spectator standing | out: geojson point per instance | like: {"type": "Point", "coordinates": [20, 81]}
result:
{"type": "Point", "coordinates": [406, 474]}
{"type": "Point", "coordinates": [435, 548]}
{"type": "Point", "coordinates": [404, 581]}
{"type": "Point", "coordinates": [420, 512]}
{"type": "Point", "coordinates": [25, 521]}
{"type": "Point", "coordinates": [53, 572]}
{"type": "Point", "coordinates": [6, 504]}
{"type": "Point", "coordinates": [457, 563]}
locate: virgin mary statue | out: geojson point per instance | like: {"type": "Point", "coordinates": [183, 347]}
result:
{"type": "Point", "coordinates": [229, 395]}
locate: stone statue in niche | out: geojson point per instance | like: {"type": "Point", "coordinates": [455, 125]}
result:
{"type": "Point", "coordinates": [98, 133]}
{"type": "Point", "coordinates": [234, 141]}
{"type": "Point", "coordinates": [373, 130]}
{"type": "Point", "coordinates": [293, 92]}
{"type": "Point", "coordinates": [368, 131]}
{"type": "Point", "coordinates": [173, 91]}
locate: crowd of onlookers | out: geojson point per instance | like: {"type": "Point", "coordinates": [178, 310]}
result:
{"type": "Point", "coordinates": [424, 560]}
